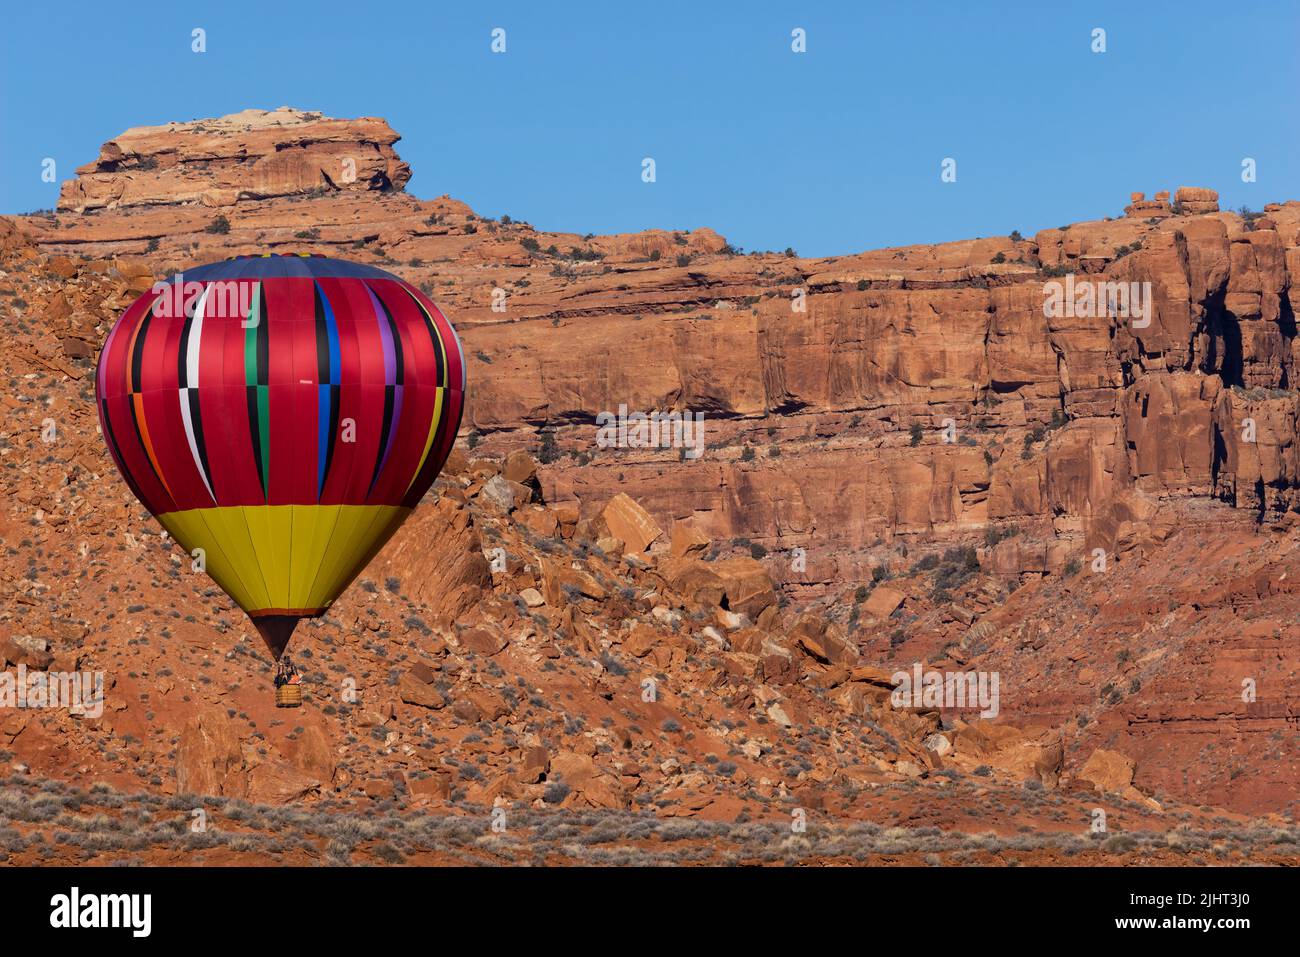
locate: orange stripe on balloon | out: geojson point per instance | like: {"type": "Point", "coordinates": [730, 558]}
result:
{"type": "Point", "coordinates": [137, 399]}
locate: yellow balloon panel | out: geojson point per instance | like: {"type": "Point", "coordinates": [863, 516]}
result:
{"type": "Point", "coordinates": [285, 559]}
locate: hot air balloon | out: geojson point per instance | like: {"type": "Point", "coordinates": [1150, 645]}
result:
{"type": "Point", "coordinates": [284, 414]}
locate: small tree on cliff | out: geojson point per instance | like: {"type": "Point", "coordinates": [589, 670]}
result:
{"type": "Point", "coordinates": [549, 451]}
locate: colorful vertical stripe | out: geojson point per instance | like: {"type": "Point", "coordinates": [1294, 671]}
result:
{"type": "Point", "coordinates": [257, 334]}
{"type": "Point", "coordinates": [328, 364]}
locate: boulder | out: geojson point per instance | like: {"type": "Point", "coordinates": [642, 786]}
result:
{"type": "Point", "coordinates": [435, 786]}
{"type": "Point", "coordinates": [826, 643]}
{"type": "Point", "coordinates": [482, 641]}
{"type": "Point", "coordinates": [746, 585]}
{"type": "Point", "coordinates": [490, 704]}
{"type": "Point", "coordinates": [687, 540]}
{"type": "Point", "coordinates": [641, 641]}
{"type": "Point", "coordinates": [630, 523]}
{"type": "Point", "coordinates": [503, 493]}
{"type": "Point", "coordinates": [520, 467]}
{"type": "Point", "coordinates": [1196, 200]}
{"type": "Point", "coordinates": [560, 582]}
{"type": "Point", "coordinates": [540, 520]}
{"type": "Point", "coordinates": [414, 691]}
{"type": "Point", "coordinates": [937, 744]}
{"type": "Point", "coordinates": [313, 754]}
{"type": "Point", "coordinates": [882, 602]}
{"type": "Point", "coordinates": [208, 755]}
{"type": "Point", "coordinates": [1108, 770]}
{"type": "Point", "coordinates": [27, 650]}
{"type": "Point", "coordinates": [696, 582]}
{"type": "Point", "coordinates": [278, 783]}
{"type": "Point", "coordinates": [586, 780]}
{"type": "Point", "coordinates": [423, 672]}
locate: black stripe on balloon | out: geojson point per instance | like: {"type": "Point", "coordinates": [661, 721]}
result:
{"type": "Point", "coordinates": [334, 433]}
{"type": "Point", "coordinates": [182, 375]}
{"type": "Point", "coordinates": [117, 452]}
{"type": "Point", "coordinates": [255, 432]}
{"type": "Point", "coordinates": [432, 465]}
{"type": "Point", "coordinates": [322, 339]}
{"type": "Point", "coordinates": [137, 353]}
{"type": "Point", "coordinates": [439, 357]}
{"type": "Point", "coordinates": [399, 376]}
{"type": "Point", "coordinates": [383, 436]}
{"type": "Point", "coordinates": [196, 421]}
{"type": "Point", "coordinates": [440, 434]}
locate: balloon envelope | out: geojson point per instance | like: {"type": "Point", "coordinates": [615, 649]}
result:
{"type": "Point", "coordinates": [284, 414]}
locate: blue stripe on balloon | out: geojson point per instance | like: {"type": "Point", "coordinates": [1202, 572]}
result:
{"type": "Point", "coordinates": [324, 407]}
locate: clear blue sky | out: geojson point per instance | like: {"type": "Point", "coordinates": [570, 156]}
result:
{"type": "Point", "coordinates": [830, 151]}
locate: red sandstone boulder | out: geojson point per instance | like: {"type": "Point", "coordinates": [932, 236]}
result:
{"type": "Point", "coordinates": [630, 523]}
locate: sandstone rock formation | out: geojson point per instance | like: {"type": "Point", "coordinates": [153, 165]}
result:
{"type": "Point", "coordinates": [1140, 207]}
{"type": "Point", "coordinates": [904, 459]}
{"type": "Point", "coordinates": [1195, 200]}
{"type": "Point", "coordinates": [256, 154]}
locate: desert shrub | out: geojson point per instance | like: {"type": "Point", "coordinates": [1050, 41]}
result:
{"type": "Point", "coordinates": [555, 791]}
{"type": "Point", "coordinates": [549, 451]}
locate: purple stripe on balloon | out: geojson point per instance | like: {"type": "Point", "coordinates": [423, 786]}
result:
{"type": "Point", "coordinates": [386, 337]}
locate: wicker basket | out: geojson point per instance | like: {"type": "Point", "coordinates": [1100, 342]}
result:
{"type": "Point", "coordinates": [288, 696]}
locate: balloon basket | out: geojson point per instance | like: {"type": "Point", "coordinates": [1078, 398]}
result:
{"type": "Point", "coordinates": [288, 696]}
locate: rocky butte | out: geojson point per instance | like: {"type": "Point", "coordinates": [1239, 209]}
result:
{"type": "Point", "coordinates": [906, 460]}
{"type": "Point", "coordinates": [256, 154]}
